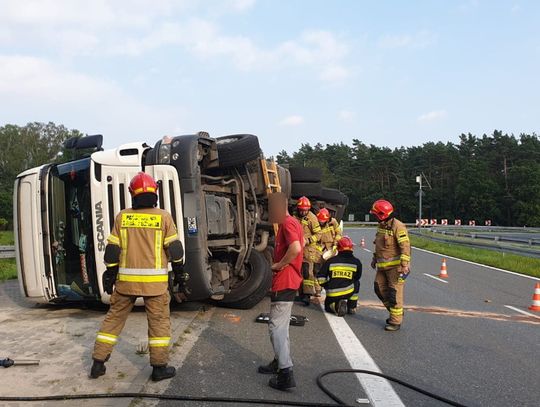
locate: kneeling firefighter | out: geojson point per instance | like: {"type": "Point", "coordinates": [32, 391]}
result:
{"type": "Point", "coordinates": [340, 277]}
{"type": "Point", "coordinates": [136, 256]}
{"type": "Point", "coordinates": [392, 257]}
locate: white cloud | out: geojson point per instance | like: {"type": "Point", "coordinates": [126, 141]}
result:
{"type": "Point", "coordinates": [242, 5]}
{"type": "Point", "coordinates": [37, 89]}
{"type": "Point", "coordinates": [420, 39]}
{"type": "Point", "coordinates": [294, 120]}
{"type": "Point", "coordinates": [69, 28]}
{"type": "Point", "coordinates": [346, 115]}
{"type": "Point", "coordinates": [432, 116]}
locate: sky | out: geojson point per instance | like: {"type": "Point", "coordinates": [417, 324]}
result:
{"type": "Point", "coordinates": [389, 73]}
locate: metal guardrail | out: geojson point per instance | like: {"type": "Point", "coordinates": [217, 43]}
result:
{"type": "Point", "coordinates": [491, 236]}
{"type": "Point", "coordinates": [478, 244]}
{"type": "Point", "coordinates": [7, 252]}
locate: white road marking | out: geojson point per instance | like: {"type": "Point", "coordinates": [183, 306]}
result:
{"type": "Point", "coordinates": [521, 311]}
{"type": "Point", "coordinates": [367, 250]}
{"type": "Point", "coordinates": [378, 390]}
{"type": "Point", "coordinates": [436, 278]}
{"type": "Point", "coordinates": [478, 264]}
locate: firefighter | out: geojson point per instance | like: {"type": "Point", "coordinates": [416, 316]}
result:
{"type": "Point", "coordinates": [330, 231]}
{"type": "Point", "coordinates": [311, 259]}
{"type": "Point", "coordinates": [340, 277]}
{"type": "Point", "coordinates": [391, 258]}
{"type": "Point", "coordinates": [142, 240]}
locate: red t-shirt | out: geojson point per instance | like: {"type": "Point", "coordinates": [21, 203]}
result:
{"type": "Point", "coordinates": [291, 276]}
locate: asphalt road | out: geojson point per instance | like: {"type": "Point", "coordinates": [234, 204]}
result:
{"type": "Point", "coordinates": [459, 339]}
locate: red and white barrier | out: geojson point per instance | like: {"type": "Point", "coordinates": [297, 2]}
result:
{"type": "Point", "coordinates": [444, 222]}
{"type": "Point", "coordinates": [433, 222]}
{"type": "Point", "coordinates": [487, 222]}
{"type": "Point", "coordinates": [472, 223]}
{"type": "Point", "coordinates": [457, 222]}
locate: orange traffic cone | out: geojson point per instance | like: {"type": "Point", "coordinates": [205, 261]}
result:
{"type": "Point", "coordinates": [362, 243]}
{"type": "Point", "coordinates": [443, 273]}
{"type": "Point", "coordinates": [536, 298]}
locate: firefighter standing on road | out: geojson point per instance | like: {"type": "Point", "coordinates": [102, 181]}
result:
{"type": "Point", "coordinates": [330, 231]}
{"type": "Point", "coordinates": [136, 255]}
{"type": "Point", "coordinates": [392, 257]}
{"type": "Point", "coordinates": [340, 277]}
{"type": "Point", "coordinates": [312, 236]}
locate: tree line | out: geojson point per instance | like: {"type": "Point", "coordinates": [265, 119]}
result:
{"type": "Point", "coordinates": [23, 147]}
{"type": "Point", "coordinates": [492, 177]}
{"type": "Point", "coordinates": [495, 177]}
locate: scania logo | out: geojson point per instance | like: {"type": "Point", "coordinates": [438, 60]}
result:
{"type": "Point", "coordinates": [100, 235]}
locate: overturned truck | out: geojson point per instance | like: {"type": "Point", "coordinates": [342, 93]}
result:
{"type": "Point", "coordinates": [215, 188]}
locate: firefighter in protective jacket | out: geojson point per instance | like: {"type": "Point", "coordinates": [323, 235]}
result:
{"type": "Point", "coordinates": [391, 258]}
{"type": "Point", "coordinates": [340, 277]}
{"type": "Point", "coordinates": [142, 241]}
{"type": "Point", "coordinates": [311, 260]}
{"type": "Point", "coordinates": [330, 231]}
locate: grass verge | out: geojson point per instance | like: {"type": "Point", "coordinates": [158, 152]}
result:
{"type": "Point", "coordinates": [520, 264]}
{"type": "Point", "coordinates": [6, 238]}
{"type": "Point", "coordinates": [8, 268]}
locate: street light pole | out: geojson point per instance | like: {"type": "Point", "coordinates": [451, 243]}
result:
{"type": "Point", "coordinates": [419, 181]}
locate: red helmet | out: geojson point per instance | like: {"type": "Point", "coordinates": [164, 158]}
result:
{"type": "Point", "coordinates": [303, 204]}
{"type": "Point", "coordinates": [381, 209]}
{"type": "Point", "coordinates": [345, 243]}
{"type": "Point", "coordinates": [142, 183]}
{"type": "Point", "coordinates": [323, 215]}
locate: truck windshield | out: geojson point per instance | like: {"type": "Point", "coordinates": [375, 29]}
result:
{"type": "Point", "coordinates": [70, 223]}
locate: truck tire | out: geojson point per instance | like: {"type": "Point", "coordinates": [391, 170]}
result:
{"type": "Point", "coordinates": [254, 288]}
{"type": "Point", "coordinates": [285, 181]}
{"type": "Point", "coordinates": [309, 189]}
{"type": "Point", "coordinates": [237, 149]}
{"type": "Point", "coordinates": [303, 174]}
{"type": "Point", "coordinates": [334, 196]}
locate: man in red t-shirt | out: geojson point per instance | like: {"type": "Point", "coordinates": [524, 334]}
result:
{"type": "Point", "coordinates": [287, 279]}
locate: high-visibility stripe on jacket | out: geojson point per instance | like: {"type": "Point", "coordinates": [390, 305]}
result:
{"type": "Point", "coordinates": [339, 274]}
{"type": "Point", "coordinates": [392, 245]}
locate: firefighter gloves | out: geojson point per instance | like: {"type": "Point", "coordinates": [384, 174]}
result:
{"type": "Point", "coordinates": [109, 278]}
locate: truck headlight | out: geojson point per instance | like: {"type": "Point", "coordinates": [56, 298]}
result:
{"type": "Point", "coordinates": [164, 154]}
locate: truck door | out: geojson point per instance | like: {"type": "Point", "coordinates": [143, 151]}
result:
{"type": "Point", "coordinates": [169, 194]}
{"type": "Point", "coordinates": [110, 194]}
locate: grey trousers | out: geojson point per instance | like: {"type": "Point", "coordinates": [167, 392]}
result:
{"type": "Point", "coordinates": [278, 326]}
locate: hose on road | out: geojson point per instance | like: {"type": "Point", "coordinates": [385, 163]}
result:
{"type": "Point", "coordinates": [209, 399]}
{"type": "Point", "coordinates": [384, 376]}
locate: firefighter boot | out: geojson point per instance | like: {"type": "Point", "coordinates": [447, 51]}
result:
{"type": "Point", "coordinates": [284, 380]}
{"type": "Point", "coordinates": [270, 368]}
{"type": "Point", "coordinates": [392, 327]}
{"type": "Point", "coordinates": [341, 308]}
{"type": "Point", "coordinates": [162, 372]}
{"type": "Point", "coordinates": [98, 369]}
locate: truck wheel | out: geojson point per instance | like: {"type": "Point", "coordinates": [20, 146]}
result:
{"type": "Point", "coordinates": [249, 292]}
{"type": "Point", "coordinates": [309, 189]}
{"type": "Point", "coordinates": [285, 181]}
{"type": "Point", "coordinates": [237, 149]}
{"type": "Point", "coordinates": [303, 174]}
{"type": "Point", "coordinates": [333, 196]}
